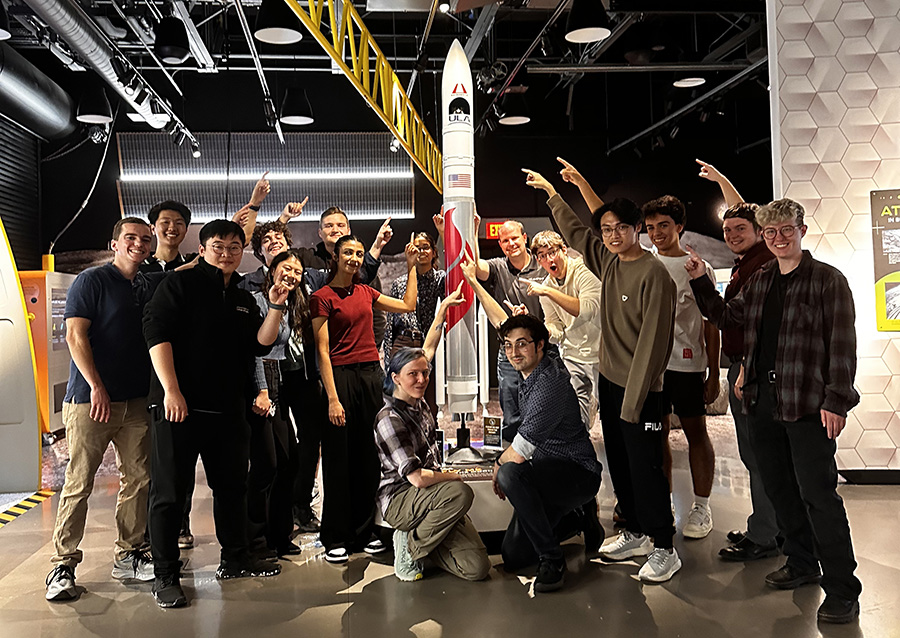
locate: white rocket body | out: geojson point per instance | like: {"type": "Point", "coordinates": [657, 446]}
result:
{"type": "Point", "coordinates": [459, 226]}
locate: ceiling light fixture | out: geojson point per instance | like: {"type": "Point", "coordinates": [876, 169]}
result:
{"type": "Point", "coordinates": [140, 176]}
{"type": "Point", "coordinates": [514, 110]}
{"type": "Point", "coordinates": [276, 23]}
{"type": "Point", "coordinates": [172, 45]}
{"type": "Point", "coordinates": [395, 145]}
{"type": "Point", "coordinates": [295, 108]}
{"type": "Point", "coordinates": [93, 107]}
{"type": "Point", "coordinates": [195, 150]}
{"type": "Point", "coordinates": [587, 22]}
{"type": "Point", "coordinates": [5, 33]}
{"type": "Point", "coordinates": [444, 7]}
{"type": "Point", "coordinates": [688, 83]}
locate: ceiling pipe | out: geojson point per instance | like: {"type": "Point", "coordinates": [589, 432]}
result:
{"type": "Point", "coordinates": [86, 39]}
{"type": "Point", "coordinates": [634, 68]}
{"type": "Point", "coordinates": [32, 100]}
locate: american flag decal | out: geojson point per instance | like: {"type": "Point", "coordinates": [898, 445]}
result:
{"type": "Point", "coordinates": [460, 181]}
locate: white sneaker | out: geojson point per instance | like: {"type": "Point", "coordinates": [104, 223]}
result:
{"type": "Point", "coordinates": [660, 566]}
{"type": "Point", "coordinates": [626, 545]}
{"type": "Point", "coordinates": [135, 566]}
{"type": "Point", "coordinates": [406, 569]}
{"type": "Point", "coordinates": [699, 522]}
{"type": "Point", "coordinates": [61, 584]}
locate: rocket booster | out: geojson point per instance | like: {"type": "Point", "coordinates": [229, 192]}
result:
{"type": "Point", "coordinates": [459, 226]}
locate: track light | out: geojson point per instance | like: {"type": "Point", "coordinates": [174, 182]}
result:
{"type": "Point", "coordinates": [444, 7]}
{"type": "Point", "coordinates": [172, 45]}
{"type": "Point", "coordinates": [93, 107]}
{"type": "Point", "coordinates": [395, 145]}
{"type": "Point", "coordinates": [179, 137]}
{"type": "Point", "coordinates": [195, 150]}
{"type": "Point", "coordinates": [276, 23]}
{"type": "Point", "coordinates": [295, 108]}
{"type": "Point", "coordinates": [587, 22]}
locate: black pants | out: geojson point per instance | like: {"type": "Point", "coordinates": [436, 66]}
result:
{"type": "Point", "coordinates": [222, 442]}
{"type": "Point", "coordinates": [309, 408]}
{"type": "Point", "coordinates": [541, 491]}
{"type": "Point", "coordinates": [796, 461]}
{"type": "Point", "coordinates": [350, 466]}
{"type": "Point", "coordinates": [634, 455]}
{"type": "Point", "coordinates": [273, 468]}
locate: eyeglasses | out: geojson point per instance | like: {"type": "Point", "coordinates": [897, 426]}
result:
{"type": "Point", "coordinates": [521, 344]}
{"type": "Point", "coordinates": [221, 249]}
{"type": "Point", "coordinates": [618, 229]}
{"type": "Point", "coordinates": [786, 232]}
{"type": "Point", "coordinates": [550, 254]}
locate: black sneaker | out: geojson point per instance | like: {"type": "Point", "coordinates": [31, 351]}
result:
{"type": "Point", "coordinates": [551, 575]}
{"type": "Point", "coordinates": [789, 577]}
{"type": "Point", "coordinates": [592, 530]}
{"type": "Point", "coordinates": [288, 549]}
{"type": "Point", "coordinates": [306, 521]}
{"type": "Point", "coordinates": [168, 592]}
{"type": "Point", "coordinates": [249, 568]}
{"type": "Point", "coordinates": [747, 550]}
{"type": "Point", "coordinates": [838, 610]}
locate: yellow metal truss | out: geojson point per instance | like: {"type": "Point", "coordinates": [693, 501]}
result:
{"type": "Point", "coordinates": [353, 50]}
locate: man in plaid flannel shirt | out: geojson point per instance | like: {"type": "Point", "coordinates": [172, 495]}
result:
{"type": "Point", "coordinates": [799, 366]}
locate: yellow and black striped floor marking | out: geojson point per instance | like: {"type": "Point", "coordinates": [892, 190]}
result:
{"type": "Point", "coordinates": [20, 508]}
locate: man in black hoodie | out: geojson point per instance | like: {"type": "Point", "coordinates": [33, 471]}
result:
{"type": "Point", "coordinates": [203, 331]}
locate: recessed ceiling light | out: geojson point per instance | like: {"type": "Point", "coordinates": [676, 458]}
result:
{"type": "Point", "coordinates": [688, 83]}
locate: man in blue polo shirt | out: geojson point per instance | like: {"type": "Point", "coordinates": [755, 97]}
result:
{"type": "Point", "coordinates": [106, 400]}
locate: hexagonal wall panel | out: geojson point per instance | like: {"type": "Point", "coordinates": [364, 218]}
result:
{"type": "Point", "coordinates": [885, 68]}
{"type": "Point", "coordinates": [887, 141]}
{"type": "Point", "coordinates": [861, 161]}
{"type": "Point", "coordinates": [834, 249]}
{"type": "Point", "coordinates": [795, 56]}
{"type": "Point", "coordinates": [825, 74]}
{"type": "Point", "coordinates": [857, 196]}
{"type": "Point", "coordinates": [800, 163]}
{"type": "Point", "coordinates": [885, 105]}
{"type": "Point", "coordinates": [824, 39]}
{"type": "Point", "coordinates": [854, 54]}
{"type": "Point", "coordinates": [830, 179]}
{"type": "Point", "coordinates": [794, 23]}
{"type": "Point", "coordinates": [799, 128]}
{"type": "Point", "coordinates": [804, 193]}
{"type": "Point", "coordinates": [833, 215]}
{"type": "Point", "coordinates": [822, 10]}
{"type": "Point", "coordinates": [888, 174]}
{"type": "Point", "coordinates": [796, 93]}
{"type": "Point", "coordinates": [893, 429]}
{"type": "Point", "coordinates": [875, 448]}
{"type": "Point", "coordinates": [882, 8]}
{"type": "Point", "coordinates": [827, 109]}
{"type": "Point", "coordinates": [874, 412]}
{"type": "Point", "coordinates": [859, 233]}
{"type": "Point", "coordinates": [829, 144]}
{"type": "Point", "coordinates": [848, 459]}
{"type": "Point", "coordinates": [892, 394]}
{"type": "Point", "coordinates": [851, 433]}
{"type": "Point", "coordinates": [884, 34]}
{"type": "Point", "coordinates": [854, 19]}
{"type": "Point", "coordinates": [873, 376]}
{"type": "Point", "coordinates": [857, 89]}
{"type": "Point", "coordinates": [859, 125]}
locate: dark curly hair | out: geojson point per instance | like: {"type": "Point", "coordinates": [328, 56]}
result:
{"type": "Point", "coordinates": [260, 231]}
{"type": "Point", "coordinates": [665, 205]}
{"type": "Point", "coordinates": [532, 324]}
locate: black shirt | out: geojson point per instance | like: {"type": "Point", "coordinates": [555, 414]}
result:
{"type": "Point", "coordinates": [770, 326]}
{"type": "Point", "coordinates": [152, 264]}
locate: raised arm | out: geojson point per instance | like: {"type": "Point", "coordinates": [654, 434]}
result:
{"type": "Point", "coordinates": [246, 217]}
{"type": "Point", "coordinates": [483, 270]}
{"type": "Point", "coordinates": [729, 192]}
{"type": "Point", "coordinates": [495, 313]}
{"type": "Point", "coordinates": [292, 210]}
{"type": "Point", "coordinates": [433, 338]}
{"type": "Point", "coordinates": [381, 239]}
{"type": "Point", "coordinates": [570, 174]}
{"type": "Point", "coordinates": [408, 303]}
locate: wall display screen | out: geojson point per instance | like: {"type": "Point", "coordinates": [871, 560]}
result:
{"type": "Point", "coordinates": [886, 249]}
{"type": "Point", "coordinates": [57, 317]}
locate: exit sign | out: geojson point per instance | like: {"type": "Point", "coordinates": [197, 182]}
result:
{"type": "Point", "coordinates": [492, 230]}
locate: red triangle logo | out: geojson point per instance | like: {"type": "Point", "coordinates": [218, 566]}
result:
{"type": "Point", "coordinates": [459, 88]}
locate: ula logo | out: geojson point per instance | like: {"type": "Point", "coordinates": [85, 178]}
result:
{"type": "Point", "coordinates": [459, 110]}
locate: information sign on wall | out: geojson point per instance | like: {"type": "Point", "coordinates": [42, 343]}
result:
{"type": "Point", "coordinates": [886, 249]}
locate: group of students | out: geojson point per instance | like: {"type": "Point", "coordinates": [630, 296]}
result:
{"type": "Point", "coordinates": [223, 363]}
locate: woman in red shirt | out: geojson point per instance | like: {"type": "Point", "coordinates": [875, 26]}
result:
{"type": "Point", "coordinates": [351, 372]}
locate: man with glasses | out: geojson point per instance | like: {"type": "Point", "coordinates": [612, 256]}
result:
{"type": "Point", "coordinates": [799, 366]}
{"type": "Point", "coordinates": [637, 312]}
{"type": "Point", "coordinates": [203, 331]}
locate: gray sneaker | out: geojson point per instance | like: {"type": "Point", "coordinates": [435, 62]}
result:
{"type": "Point", "coordinates": [626, 545]}
{"type": "Point", "coordinates": [406, 569]}
{"type": "Point", "coordinates": [660, 566]}
{"type": "Point", "coordinates": [135, 566]}
{"type": "Point", "coordinates": [61, 584]}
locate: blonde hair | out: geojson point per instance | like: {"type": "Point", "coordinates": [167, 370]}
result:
{"type": "Point", "coordinates": [779, 211]}
{"type": "Point", "coordinates": [547, 239]}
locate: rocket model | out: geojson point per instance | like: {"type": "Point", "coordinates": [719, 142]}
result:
{"type": "Point", "coordinates": [459, 226]}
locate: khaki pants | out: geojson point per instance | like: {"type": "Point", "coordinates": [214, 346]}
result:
{"type": "Point", "coordinates": [436, 519]}
{"type": "Point", "coordinates": [128, 430]}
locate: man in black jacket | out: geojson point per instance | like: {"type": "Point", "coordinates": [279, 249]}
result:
{"type": "Point", "coordinates": [203, 331]}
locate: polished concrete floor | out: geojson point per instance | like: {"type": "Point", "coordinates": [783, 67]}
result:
{"type": "Point", "coordinates": [312, 598]}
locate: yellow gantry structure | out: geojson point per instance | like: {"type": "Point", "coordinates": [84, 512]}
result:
{"type": "Point", "coordinates": [353, 50]}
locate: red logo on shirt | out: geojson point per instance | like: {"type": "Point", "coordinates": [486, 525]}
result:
{"type": "Point", "coordinates": [687, 354]}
